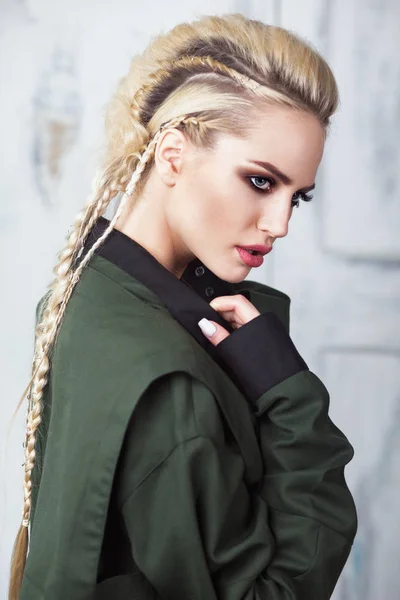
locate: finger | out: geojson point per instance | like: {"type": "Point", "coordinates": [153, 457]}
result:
{"type": "Point", "coordinates": [235, 308]}
{"type": "Point", "coordinates": [226, 302]}
{"type": "Point", "coordinates": [231, 302]}
{"type": "Point", "coordinates": [222, 306]}
{"type": "Point", "coordinates": [228, 315]}
{"type": "Point", "coordinates": [213, 331]}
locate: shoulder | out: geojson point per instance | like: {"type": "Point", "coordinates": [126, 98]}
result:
{"type": "Point", "coordinates": [174, 409]}
{"type": "Point", "coordinates": [119, 329]}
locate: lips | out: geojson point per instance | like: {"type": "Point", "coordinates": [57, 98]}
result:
{"type": "Point", "coordinates": [251, 260]}
{"type": "Point", "coordinates": [258, 249]}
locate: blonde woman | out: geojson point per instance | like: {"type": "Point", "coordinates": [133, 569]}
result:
{"type": "Point", "coordinates": [178, 446]}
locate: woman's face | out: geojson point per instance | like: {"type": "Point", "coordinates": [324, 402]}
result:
{"type": "Point", "coordinates": [204, 204]}
{"type": "Point", "coordinates": [223, 200]}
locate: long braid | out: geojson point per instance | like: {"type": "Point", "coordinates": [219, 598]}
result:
{"type": "Point", "coordinates": [47, 328]}
{"type": "Point", "coordinates": [67, 256]}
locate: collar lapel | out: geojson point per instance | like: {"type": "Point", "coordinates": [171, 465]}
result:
{"type": "Point", "coordinates": [187, 299]}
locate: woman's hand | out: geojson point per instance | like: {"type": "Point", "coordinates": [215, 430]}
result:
{"type": "Point", "coordinates": [236, 309]}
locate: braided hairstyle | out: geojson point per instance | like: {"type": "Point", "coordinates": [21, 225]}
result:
{"type": "Point", "coordinates": [204, 77]}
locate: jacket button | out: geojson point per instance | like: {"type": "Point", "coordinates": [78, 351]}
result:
{"type": "Point", "coordinates": [199, 271]}
{"type": "Point", "coordinates": [209, 291]}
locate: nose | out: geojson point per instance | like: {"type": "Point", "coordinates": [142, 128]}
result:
{"type": "Point", "coordinates": [275, 217]}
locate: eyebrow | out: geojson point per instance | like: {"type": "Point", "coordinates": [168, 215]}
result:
{"type": "Point", "coordinates": [281, 176]}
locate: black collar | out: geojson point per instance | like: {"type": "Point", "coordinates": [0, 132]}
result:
{"type": "Point", "coordinates": [187, 298]}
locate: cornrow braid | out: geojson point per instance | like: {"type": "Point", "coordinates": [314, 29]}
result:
{"type": "Point", "coordinates": [177, 72]}
{"type": "Point", "coordinates": [180, 68]}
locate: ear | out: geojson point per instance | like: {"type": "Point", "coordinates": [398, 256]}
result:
{"type": "Point", "coordinates": [169, 154]}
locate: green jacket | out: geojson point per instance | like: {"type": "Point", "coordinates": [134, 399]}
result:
{"type": "Point", "coordinates": [157, 477]}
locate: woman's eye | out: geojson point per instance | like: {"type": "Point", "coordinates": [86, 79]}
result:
{"type": "Point", "coordinates": [265, 184]}
{"type": "Point", "coordinates": [259, 185]}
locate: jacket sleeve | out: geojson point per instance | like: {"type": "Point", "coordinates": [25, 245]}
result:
{"type": "Point", "coordinates": [304, 452]}
{"type": "Point", "coordinates": [198, 531]}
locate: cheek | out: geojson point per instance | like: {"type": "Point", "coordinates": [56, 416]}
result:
{"type": "Point", "coordinates": [222, 205]}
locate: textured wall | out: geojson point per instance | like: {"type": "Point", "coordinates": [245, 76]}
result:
{"type": "Point", "coordinates": [59, 62]}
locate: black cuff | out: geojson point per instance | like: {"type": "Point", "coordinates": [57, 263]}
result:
{"type": "Point", "coordinates": [260, 354]}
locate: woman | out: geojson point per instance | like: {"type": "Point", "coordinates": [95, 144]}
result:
{"type": "Point", "coordinates": [163, 461]}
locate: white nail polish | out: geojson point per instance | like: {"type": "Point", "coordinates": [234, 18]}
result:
{"type": "Point", "coordinates": [207, 328]}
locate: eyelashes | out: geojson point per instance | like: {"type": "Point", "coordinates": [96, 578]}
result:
{"type": "Point", "coordinates": [296, 197]}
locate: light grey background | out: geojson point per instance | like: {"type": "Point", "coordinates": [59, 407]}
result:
{"type": "Point", "coordinates": [59, 63]}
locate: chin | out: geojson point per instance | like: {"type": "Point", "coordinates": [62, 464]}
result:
{"type": "Point", "coordinates": [232, 271]}
{"type": "Point", "coordinates": [237, 279]}
{"type": "Point", "coordinates": [232, 275]}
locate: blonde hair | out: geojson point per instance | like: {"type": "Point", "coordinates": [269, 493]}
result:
{"type": "Point", "coordinates": [204, 77]}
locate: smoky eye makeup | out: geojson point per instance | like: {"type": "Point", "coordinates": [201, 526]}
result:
{"type": "Point", "coordinates": [256, 183]}
{"type": "Point", "coordinates": [264, 185]}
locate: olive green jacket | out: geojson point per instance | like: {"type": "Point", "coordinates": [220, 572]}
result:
{"type": "Point", "coordinates": [156, 477]}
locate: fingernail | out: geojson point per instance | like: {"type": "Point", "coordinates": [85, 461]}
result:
{"type": "Point", "coordinates": [207, 327]}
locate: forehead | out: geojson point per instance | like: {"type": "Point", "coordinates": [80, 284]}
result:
{"type": "Point", "coordinates": [291, 139]}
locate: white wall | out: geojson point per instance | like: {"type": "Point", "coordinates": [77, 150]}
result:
{"type": "Point", "coordinates": [59, 63]}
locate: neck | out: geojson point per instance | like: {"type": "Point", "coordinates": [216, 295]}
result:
{"type": "Point", "coordinates": [146, 225]}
